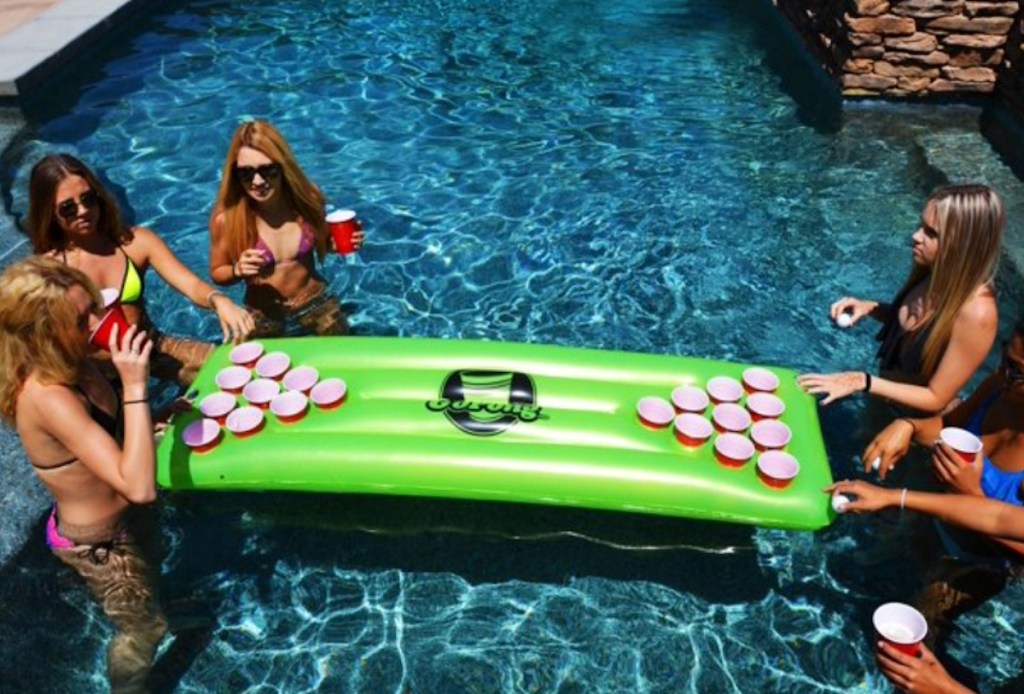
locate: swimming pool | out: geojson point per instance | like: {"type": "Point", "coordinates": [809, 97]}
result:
{"type": "Point", "coordinates": [627, 175]}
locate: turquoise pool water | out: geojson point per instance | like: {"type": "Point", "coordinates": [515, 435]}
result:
{"type": "Point", "coordinates": [641, 175]}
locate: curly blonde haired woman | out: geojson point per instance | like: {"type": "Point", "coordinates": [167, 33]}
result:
{"type": "Point", "coordinates": [67, 415]}
{"type": "Point", "coordinates": [267, 222]}
{"type": "Point", "coordinates": [941, 325]}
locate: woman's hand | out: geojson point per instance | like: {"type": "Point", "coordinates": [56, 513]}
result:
{"type": "Point", "coordinates": [358, 236]}
{"type": "Point", "coordinates": [866, 497]}
{"type": "Point", "coordinates": [889, 447]}
{"type": "Point", "coordinates": [951, 469]}
{"type": "Point", "coordinates": [131, 359]}
{"type": "Point", "coordinates": [835, 386]}
{"type": "Point", "coordinates": [235, 322]}
{"type": "Point", "coordinates": [854, 308]}
{"type": "Point", "coordinates": [924, 675]}
{"type": "Point", "coordinates": [249, 264]}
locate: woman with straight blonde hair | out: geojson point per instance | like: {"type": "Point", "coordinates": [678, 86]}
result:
{"type": "Point", "coordinates": [941, 325]}
{"type": "Point", "coordinates": [267, 221]}
{"type": "Point", "coordinates": [71, 424]}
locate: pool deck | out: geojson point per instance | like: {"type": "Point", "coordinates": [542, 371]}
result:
{"type": "Point", "coordinates": [37, 37]}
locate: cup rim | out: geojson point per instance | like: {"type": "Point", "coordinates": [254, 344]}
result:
{"type": "Point", "coordinates": [663, 407]}
{"type": "Point", "coordinates": [902, 613]}
{"type": "Point", "coordinates": [736, 439]}
{"type": "Point", "coordinates": [238, 354]}
{"type": "Point", "coordinates": [735, 387]}
{"type": "Point", "coordinates": [230, 402]}
{"type": "Point", "coordinates": [206, 428]}
{"type": "Point", "coordinates": [706, 428]}
{"type": "Point", "coordinates": [248, 411]}
{"type": "Point", "coordinates": [965, 437]}
{"type": "Point", "coordinates": [758, 429]}
{"type": "Point", "coordinates": [337, 216]}
{"type": "Point", "coordinates": [765, 460]}
{"type": "Point", "coordinates": [316, 390]}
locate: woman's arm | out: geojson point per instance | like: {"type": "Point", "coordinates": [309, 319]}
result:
{"type": "Point", "coordinates": [858, 308]}
{"type": "Point", "coordinates": [236, 323]}
{"type": "Point", "coordinates": [981, 514]}
{"type": "Point", "coordinates": [131, 470]}
{"type": "Point", "coordinates": [224, 268]}
{"type": "Point", "coordinates": [974, 331]}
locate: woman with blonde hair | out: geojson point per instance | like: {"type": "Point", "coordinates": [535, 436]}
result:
{"type": "Point", "coordinates": [74, 219]}
{"type": "Point", "coordinates": [68, 417]}
{"type": "Point", "coordinates": [267, 221]}
{"type": "Point", "coordinates": [942, 323]}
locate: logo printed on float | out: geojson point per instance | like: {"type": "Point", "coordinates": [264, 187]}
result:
{"type": "Point", "coordinates": [485, 403]}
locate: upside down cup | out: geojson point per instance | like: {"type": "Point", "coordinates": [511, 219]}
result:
{"type": "Point", "coordinates": [692, 429]}
{"type": "Point", "coordinates": [655, 413]}
{"type": "Point", "coordinates": [733, 450]}
{"type": "Point", "coordinates": [777, 468]}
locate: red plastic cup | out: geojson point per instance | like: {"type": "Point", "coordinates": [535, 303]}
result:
{"type": "Point", "coordinates": [765, 406]}
{"type": "Point", "coordinates": [730, 417]}
{"type": "Point", "coordinates": [217, 405]}
{"type": "Point", "coordinates": [690, 399]}
{"type": "Point", "coordinates": [692, 429]}
{"type": "Point", "coordinates": [261, 391]}
{"type": "Point", "coordinates": [757, 379]}
{"type": "Point", "coordinates": [301, 378]}
{"type": "Point", "coordinates": [900, 626]}
{"type": "Point", "coordinates": [246, 354]}
{"type": "Point", "coordinates": [290, 406]}
{"type": "Point", "coordinates": [100, 337]}
{"type": "Point", "coordinates": [966, 444]}
{"type": "Point", "coordinates": [202, 435]}
{"type": "Point", "coordinates": [328, 393]}
{"type": "Point", "coordinates": [343, 224]}
{"type": "Point", "coordinates": [273, 365]}
{"type": "Point", "coordinates": [655, 413]}
{"type": "Point", "coordinates": [769, 434]}
{"type": "Point", "coordinates": [233, 378]}
{"type": "Point", "coordinates": [245, 421]}
{"type": "Point", "coordinates": [777, 468]}
{"type": "Point", "coordinates": [733, 450]}
{"type": "Point", "coordinates": [724, 389]}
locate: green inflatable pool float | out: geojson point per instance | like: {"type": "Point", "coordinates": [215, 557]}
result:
{"type": "Point", "coordinates": [501, 421]}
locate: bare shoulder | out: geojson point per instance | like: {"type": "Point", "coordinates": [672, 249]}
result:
{"type": "Point", "coordinates": [980, 312]}
{"type": "Point", "coordinates": [42, 401]}
{"type": "Point", "coordinates": [217, 220]}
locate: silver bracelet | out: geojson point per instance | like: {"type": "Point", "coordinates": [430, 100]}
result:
{"type": "Point", "coordinates": [903, 499]}
{"type": "Point", "coordinates": [209, 297]}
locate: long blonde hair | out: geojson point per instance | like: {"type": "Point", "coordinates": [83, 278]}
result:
{"type": "Point", "coordinates": [239, 216]}
{"type": "Point", "coordinates": [969, 222]}
{"type": "Point", "coordinates": [39, 330]}
{"type": "Point", "coordinates": [43, 228]}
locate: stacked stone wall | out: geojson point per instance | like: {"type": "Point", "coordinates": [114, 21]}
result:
{"type": "Point", "coordinates": [916, 48]}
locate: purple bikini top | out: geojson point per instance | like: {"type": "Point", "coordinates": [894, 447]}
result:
{"type": "Point", "coordinates": [306, 243]}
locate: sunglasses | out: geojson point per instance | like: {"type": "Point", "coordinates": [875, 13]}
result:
{"type": "Point", "coordinates": [267, 172]}
{"type": "Point", "coordinates": [69, 208]}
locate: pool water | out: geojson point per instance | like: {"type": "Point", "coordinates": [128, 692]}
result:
{"type": "Point", "coordinates": [642, 175]}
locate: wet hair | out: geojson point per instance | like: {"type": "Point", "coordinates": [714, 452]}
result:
{"type": "Point", "coordinates": [300, 193]}
{"type": "Point", "coordinates": [43, 226]}
{"type": "Point", "coordinates": [969, 222]}
{"type": "Point", "coordinates": [39, 330]}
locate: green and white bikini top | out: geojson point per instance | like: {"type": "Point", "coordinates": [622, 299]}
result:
{"type": "Point", "coordinates": [131, 284]}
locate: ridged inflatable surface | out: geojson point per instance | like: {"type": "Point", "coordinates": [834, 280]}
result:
{"type": "Point", "coordinates": [502, 422]}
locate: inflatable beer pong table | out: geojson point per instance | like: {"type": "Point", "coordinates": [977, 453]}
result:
{"type": "Point", "coordinates": [490, 421]}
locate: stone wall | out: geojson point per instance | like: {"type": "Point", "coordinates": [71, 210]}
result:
{"type": "Point", "coordinates": [915, 48]}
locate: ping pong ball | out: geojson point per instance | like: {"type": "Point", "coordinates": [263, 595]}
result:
{"type": "Point", "coordinates": [844, 320]}
{"type": "Point", "coordinates": [840, 502]}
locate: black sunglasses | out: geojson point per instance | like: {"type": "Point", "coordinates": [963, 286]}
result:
{"type": "Point", "coordinates": [69, 208]}
{"type": "Point", "coordinates": [267, 172]}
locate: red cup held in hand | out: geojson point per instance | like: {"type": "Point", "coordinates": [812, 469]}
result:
{"type": "Point", "coordinates": [900, 626]}
{"type": "Point", "coordinates": [343, 224]}
{"type": "Point", "coordinates": [100, 337]}
{"type": "Point", "coordinates": [966, 444]}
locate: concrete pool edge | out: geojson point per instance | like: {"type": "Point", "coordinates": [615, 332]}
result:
{"type": "Point", "coordinates": [48, 42]}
